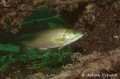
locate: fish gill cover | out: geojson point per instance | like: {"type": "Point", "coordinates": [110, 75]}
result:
{"type": "Point", "coordinates": [49, 61]}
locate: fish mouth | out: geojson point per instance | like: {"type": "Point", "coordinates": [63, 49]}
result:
{"type": "Point", "coordinates": [80, 36]}
{"type": "Point", "coordinates": [77, 37]}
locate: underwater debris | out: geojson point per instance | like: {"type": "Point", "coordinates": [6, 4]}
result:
{"type": "Point", "coordinates": [8, 47]}
{"type": "Point", "coordinates": [37, 76]}
{"type": "Point", "coordinates": [99, 29]}
{"type": "Point", "coordinates": [19, 66]}
{"type": "Point", "coordinates": [91, 66]}
{"type": "Point", "coordinates": [4, 3]}
{"type": "Point", "coordinates": [23, 8]}
{"type": "Point", "coordinates": [116, 10]}
{"type": "Point", "coordinates": [89, 13]}
{"type": "Point", "coordinates": [96, 65]}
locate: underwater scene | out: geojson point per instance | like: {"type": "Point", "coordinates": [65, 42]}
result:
{"type": "Point", "coordinates": [59, 39]}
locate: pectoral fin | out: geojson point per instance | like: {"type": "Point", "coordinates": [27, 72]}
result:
{"type": "Point", "coordinates": [61, 40]}
{"type": "Point", "coordinates": [60, 47]}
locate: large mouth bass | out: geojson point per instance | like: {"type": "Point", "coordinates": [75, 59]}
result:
{"type": "Point", "coordinates": [55, 37]}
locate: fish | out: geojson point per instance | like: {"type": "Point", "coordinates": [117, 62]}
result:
{"type": "Point", "coordinates": [54, 37]}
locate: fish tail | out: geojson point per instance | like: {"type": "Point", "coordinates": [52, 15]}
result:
{"type": "Point", "coordinates": [23, 47]}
